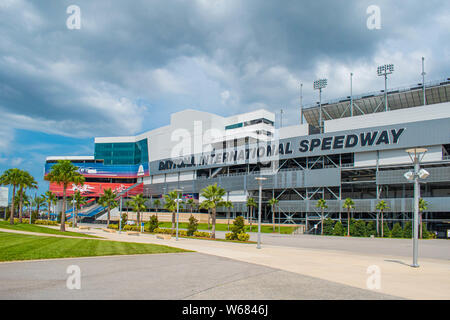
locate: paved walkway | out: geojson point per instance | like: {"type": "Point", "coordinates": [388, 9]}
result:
{"type": "Point", "coordinates": [430, 281]}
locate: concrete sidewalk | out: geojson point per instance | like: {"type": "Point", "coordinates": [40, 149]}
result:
{"type": "Point", "coordinates": [430, 281]}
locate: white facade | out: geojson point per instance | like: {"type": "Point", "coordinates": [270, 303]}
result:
{"type": "Point", "coordinates": [4, 196]}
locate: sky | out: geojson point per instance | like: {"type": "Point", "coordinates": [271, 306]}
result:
{"type": "Point", "coordinates": [130, 65]}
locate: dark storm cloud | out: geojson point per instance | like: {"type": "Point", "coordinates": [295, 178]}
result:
{"type": "Point", "coordinates": [132, 63]}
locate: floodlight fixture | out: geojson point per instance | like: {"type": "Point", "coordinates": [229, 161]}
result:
{"type": "Point", "coordinates": [384, 70]}
{"type": "Point", "coordinates": [423, 174]}
{"type": "Point", "coordinates": [319, 85]}
{"type": "Point", "coordinates": [409, 175]}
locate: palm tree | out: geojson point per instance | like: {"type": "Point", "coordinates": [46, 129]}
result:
{"type": "Point", "coordinates": [63, 173]}
{"type": "Point", "coordinates": [11, 177]}
{"type": "Point", "coordinates": [214, 198]}
{"type": "Point", "coordinates": [191, 204]}
{"type": "Point", "coordinates": [423, 205]}
{"type": "Point", "coordinates": [50, 198]}
{"type": "Point", "coordinates": [381, 206]}
{"type": "Point", "coordinates": [138, 204]}
{"type": "Point", "coordinates": [348, 204]}
{"type": "Point", "coordinates": [322, 204]}
{"type": "Point", "coordinates": [108, 199]}
{"type": "Point", "coordinates": [228, 205]}
{"type": "Point", "coordinates": [79, 202]}
{"type": "Point", "coordinates": [273, 202]}
{"type": "Point", "coordinates": [38, 202]}
{"type": "Point", "coordinates": [170, 204]}
{"type": "Point", "coordinates": [251, 203]}
{"type": "Point", "coordinates": [157, 203]}
{"type": "Point", "coordinates": [26, 181]}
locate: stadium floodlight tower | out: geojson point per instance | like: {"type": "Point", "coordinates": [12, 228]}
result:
{"type": "Point", "coordinates": [416, 155]}
{"type": "Point", "coordinates": [384, 70]}
{"type": "Point", "coordinates": [319, 85]}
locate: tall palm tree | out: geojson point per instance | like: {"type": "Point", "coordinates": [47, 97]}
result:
{"type": "Point", "coordinates": [50, 198]}
{"type": "Point", "coordinates": [381, 206]}
{"type": "Point", "coordinates": [108, 199]}
{"type": "Point", "coordinates": [11, 177]}
{"type": "Point", "coordinates": [26, 181]}
{"type": "Point", "coordinates": [273, 202]}
{"type": "Point", "coordinates": [63, 173]}
{"type": "Point", "coordinates": [348, 204]}
{"type": "Point", "coordinates": [137, 202]}
{"type": "Point", "coordinates": [423, 205]}
{"type": "Point", "coordinates": [170, 203]}
{"type": "Point", "coordinates": [228, 205]}
{"type": "Point", "coordinates": [251, 203]}
{"type": "Point", "coordinates": [322, 204]}
{"type": "Point", "coordinates": [79, 202]}
{"type": "Point", "coordinates": [213, 198]}
{"type": "Point", "coordinates": [157, 203]}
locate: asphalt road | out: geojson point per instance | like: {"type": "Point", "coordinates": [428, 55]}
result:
{"type": "Point", "coordinates": [166, 276]}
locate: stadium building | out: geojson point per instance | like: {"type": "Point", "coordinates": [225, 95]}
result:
{"type": "Point", "coordinates": [353, 147]}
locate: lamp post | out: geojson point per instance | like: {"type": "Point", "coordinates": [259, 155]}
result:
{"type": "Point", "coordinates": [384, 70]}
{"type": "Point", "coordinates": [178, 208]}
{"type": "Point", "coordinates": [260, 180]}
{"type": "Point", "coordinates": [416, 155]}
{"type": "Point", "coordinates": [120, 215]}
{"type": "Point", "coordinates": [319, 85]}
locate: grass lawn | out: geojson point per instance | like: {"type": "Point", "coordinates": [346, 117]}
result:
{"type": "Point", "coordinates": [40, 229]}
{"type": "Point", "coordinates": [223, 227]}
{"type": "Point", "coordinates": [26, 247]}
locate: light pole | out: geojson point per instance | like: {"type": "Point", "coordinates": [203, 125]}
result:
{"type": "Point", "coordinates": [120, 215]}
{"type": "Point", "coordinates": [416, 155]}
{"type": "Point", "coordinates": [351, 94]}
{"type": "Point", "coordinates": [301, 103]}
{"type": "Point", "coordinates": [178, 208]}
{"type": "Point", "coordinates": [384, 70]}
{"type": "Point", "coordinates": [260, 180]}
{"type": "Point", "coordinates": [423, 81]}
{"type": "Point", "coordinates": [319, 85]}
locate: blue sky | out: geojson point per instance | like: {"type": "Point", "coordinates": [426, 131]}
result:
{"type": "Point", "coordinates": [132, 64]}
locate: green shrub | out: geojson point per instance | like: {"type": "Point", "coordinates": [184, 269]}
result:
{"type": "Point", "coordinates": [338, 229]}
{"type": "Point", "coordinates": [124, 219]}
{"type": "Point", "coordinates": [192, 226]}
{"type": "Point", "coordinates": [113, 226]}
{"type": "Point", "coordinates": [397, 231]}
{"type": "Point", "coordinates": [371, 229]}
{"type": "Point", "coordinates": [237, 227]}
{"type": "Point", "coordinates": [153, 223]}
{"type": "Point", "coordinates": [328, 225]}
{"type": "Point", "coordinates": [386, 230]}
{"type": "Point", "coordinates": [358, 228]}
{"type": "Point", "coordinates": [202, 234]}
{"type": "Point", "coordinates": [34, 216]}
{"type": "Point", "coordinates": [243, 236]}
{"type": "Point", "coordinates": [46, 222]}
{"type": "Point", "coordinates": [407, 231]}
{"type": "Point", "coordinates": [229, 236]}
{"type": "Point", "coordinates": [128, 227]}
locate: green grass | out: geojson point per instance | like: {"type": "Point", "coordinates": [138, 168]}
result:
{"type": "Point", "coordinates": [223, 227]}
{"type": "Point", "coordinates": [27, 247]}
{"type": "Point", "coordinates": [41, 229]}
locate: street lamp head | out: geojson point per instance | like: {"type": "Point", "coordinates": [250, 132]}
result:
{"type": "Point", "coordinates": [416, 150]}
{"type": "Point", "coordinates": [320, 84]}
{"type": "Point", "coordinates": [423, 174]}
{"type": "Point", "coordinates": [260, 178]}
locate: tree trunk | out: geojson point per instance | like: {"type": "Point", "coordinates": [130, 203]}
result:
{"type": "Point", "coordinates": [209, 219]}
{"type": "Point", "coordinates": [63, 213]}
{"type": "Point", "coordinates": [420, 225]}
{"type": "Point", "coordinates": [20, 204]}
{"type": "Point", "coordinates": [138, 216]}
{"type": "Point", "coordinates": [378, 227]}
{"type": "Point", "coordinates": [382, 225]}
{"type": "Point", "coordinates": [173, 221]}
{"type": "Point", "coordinates": [273, 220]}
{"type": "Point", "coordinates": [251, 218]}
{"type": "Point", "coordinates": [348, 222]}
{"type": "Point", "coordinates": [11, 214]}
{"type": "Point", "coordinates": [213, 231]}
{"type": "Point", "coordinates": [321, 231]}
{"type": "Point", "coordinates": [109, 215]}
{"type": "Point", "coordinates": [76, 218]}
{"type": "Point", "coordinates": [228, 219]}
